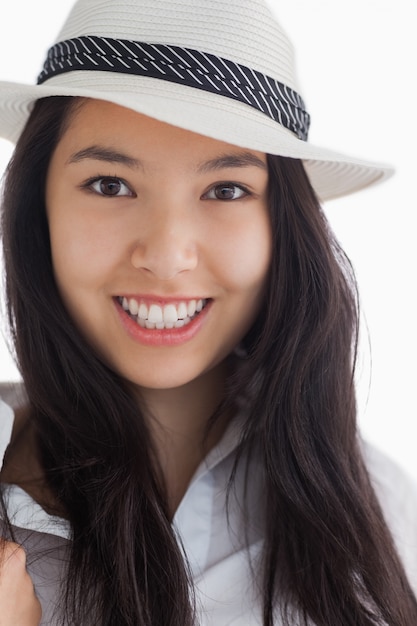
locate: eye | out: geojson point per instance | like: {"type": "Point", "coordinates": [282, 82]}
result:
{"type": "Point", "coordinates": [109, 186]}
{"type": "Point", "coordinates": [226, 191]}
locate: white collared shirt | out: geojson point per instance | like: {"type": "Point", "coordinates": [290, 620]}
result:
{"type": "Point", "coordinates": [215, 546]}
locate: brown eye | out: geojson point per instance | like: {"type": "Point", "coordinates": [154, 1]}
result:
{"type": "Point", "coordinates": [110, 187]}
{"type": "Point", "coordinates": [226, 191]}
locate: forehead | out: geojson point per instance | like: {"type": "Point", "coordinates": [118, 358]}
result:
{"type": "Point", "coordinates": [100, 123]}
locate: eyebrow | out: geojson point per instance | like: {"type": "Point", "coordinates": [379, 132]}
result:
{"type": "Point", "coordinates": [224, 161]}
{"type": "Point", "coordinates": [101, 153]}
{"type": "Point", "coordinates": [240, 159]}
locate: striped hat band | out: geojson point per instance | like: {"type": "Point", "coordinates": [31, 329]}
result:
{"type": "Point", "coordinates": [183, 66]}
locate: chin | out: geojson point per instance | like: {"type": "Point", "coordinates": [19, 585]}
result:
{"type": "Point", "coordinates": [160, 380]}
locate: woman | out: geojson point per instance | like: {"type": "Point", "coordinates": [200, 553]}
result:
{"type": "Point", "coordinates": [185, 447]}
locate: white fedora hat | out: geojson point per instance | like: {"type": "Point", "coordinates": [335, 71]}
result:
{"type": "Point", "coordinates": [221, 69]}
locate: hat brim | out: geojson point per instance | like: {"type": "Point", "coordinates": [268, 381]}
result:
{"type": "Point", "coordinates": [331, 174]}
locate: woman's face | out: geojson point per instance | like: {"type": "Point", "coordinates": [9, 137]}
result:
{"type": "Point", "coordinates": [160, 242]}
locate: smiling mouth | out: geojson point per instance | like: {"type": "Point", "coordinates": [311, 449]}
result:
{"type": "Point", "coordinates": [159, 317]}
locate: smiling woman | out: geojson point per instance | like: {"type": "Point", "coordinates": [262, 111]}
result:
{"type": "Point", "coordinates": [127, 221]}
{"type": "Point", "coordinates": [184, 449]}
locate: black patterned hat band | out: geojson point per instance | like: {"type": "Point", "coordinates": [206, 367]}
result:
{"type": "Point", "coordinates": [183, 66]}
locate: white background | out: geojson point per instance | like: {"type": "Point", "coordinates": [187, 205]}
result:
{"type": "Point", "coordinates": [356, 66]}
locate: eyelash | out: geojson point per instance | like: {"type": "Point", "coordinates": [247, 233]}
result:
{"type": "Point", "coordinates": [89, 185]}
{"type": "Point", "coordinates": [227, 185]}
{"type": "Point", "coordinates": [98, 180]}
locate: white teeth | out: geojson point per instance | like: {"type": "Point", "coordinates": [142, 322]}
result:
{"type": "Point", "coordinates": [133, 306]}
{"type": "Point", "coordinates": [182, 311]}
{"type": "Point", "coordinates": [155, 314]}
{"type": "Point", "coordinates": [143, 311]}
{"type": "Point", "coordinates": [191, 308]}
{"type": "Point", "coordinates": [170, 314]}
{"type": "Point", "coordinates": [183, 322]}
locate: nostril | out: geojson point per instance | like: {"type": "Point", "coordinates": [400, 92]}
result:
{"type": "Point", "coordinates": [164, 260]}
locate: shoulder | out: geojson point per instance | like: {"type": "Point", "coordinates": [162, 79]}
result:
{"type": "Point", "coordinates": [12, 393]}
{"type": "Point", "coordinates": [397, 495]}
{"type": "Point", "coordinates": [12, 400]}
{"type": "Point", "coordinates": [6, 423]}
{"type": "Point", "coordinates": [395, 488]}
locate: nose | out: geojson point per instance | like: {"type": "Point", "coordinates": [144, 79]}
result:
{"type": "Point", "coordinates": [166, 247]}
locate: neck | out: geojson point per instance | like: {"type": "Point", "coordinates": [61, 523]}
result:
{"type": "Point", "coordinates": [178, 421]}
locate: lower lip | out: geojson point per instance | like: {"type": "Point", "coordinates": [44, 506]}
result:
{"type": "Point", "coordinates": [166, 336]}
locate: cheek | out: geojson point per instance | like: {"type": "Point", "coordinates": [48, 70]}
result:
{"type": "Point", "coordinates": [71, 262]}
{"type": "Point", "coordinates": [80, 251]}
{"type": "Point", "coordinates": [244, 255]}
{"type": "Point", "coordinates": [81, 263]}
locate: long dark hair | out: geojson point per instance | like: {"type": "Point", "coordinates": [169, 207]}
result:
{"type": "Point", "coordinates": [328, 554]}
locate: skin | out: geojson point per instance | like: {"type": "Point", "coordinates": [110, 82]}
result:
{"type": "Point", "coordinates": [165, 234]}
{"type": "Point", "coordinates": [19, 604]}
